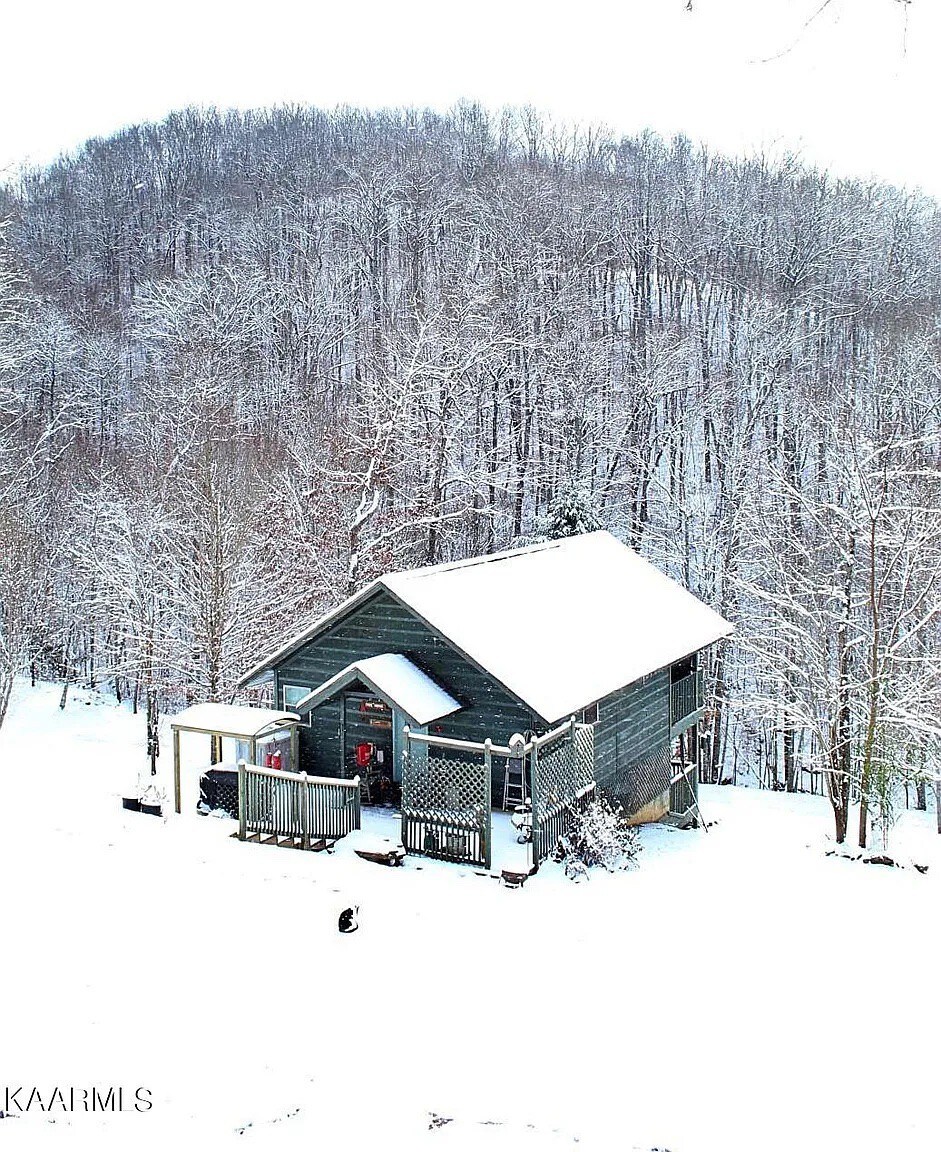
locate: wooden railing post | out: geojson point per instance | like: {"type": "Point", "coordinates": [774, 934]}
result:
{"type": "Point", "coordinates": [536, 850]}
{"type": "Point", "coordinates": [488, 813]}
{"type": "Point", "coordinates": [243, 799]}
{"type": "Point", "coordinates": [302, 791]}
{"type": "Point", "coordinates": [406, 780]}
{"type": "Point", "coordinates": [176, 771]}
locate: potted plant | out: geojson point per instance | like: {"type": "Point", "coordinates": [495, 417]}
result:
{"type": "Point", "coordinates": [130, 796]}
{"type": "Point", "coordinates": [151, 800]}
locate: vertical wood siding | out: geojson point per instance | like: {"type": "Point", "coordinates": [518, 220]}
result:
{"type": "Point", "coordinates": [633, 725]}
{"type": "Point", "coordinates": [380, 625]}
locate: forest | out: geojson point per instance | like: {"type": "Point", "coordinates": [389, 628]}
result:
{"type": "Point", "coordinates": [249, 361]}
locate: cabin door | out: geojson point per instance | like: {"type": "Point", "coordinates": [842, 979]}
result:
{"type": "Point", "coordinates": [367, 720]}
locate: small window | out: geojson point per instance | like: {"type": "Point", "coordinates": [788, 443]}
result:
{"type": "Point", "coordinates": [590, 714]}
{"type": "Point", "coordinates": [292, 695]}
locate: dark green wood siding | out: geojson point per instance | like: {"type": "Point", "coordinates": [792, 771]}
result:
{"type": "Point", "coordinates": [380, 625]}
{"type": "Point", "coordinates": [633, 724]}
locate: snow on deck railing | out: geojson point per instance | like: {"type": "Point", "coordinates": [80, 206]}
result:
{"type": "Point", "coordinates": [524, 749]}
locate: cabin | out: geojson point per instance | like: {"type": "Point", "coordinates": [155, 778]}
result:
{"type": "Point", "coordinates": [506, 648]}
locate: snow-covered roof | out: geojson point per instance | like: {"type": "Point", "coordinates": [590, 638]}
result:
{"type": "Point", "coordinates": [560, 624]}
{"type": "Point", "coordinates": [396, 679]}
{"type": "Point", "coordinates": [563, 624]}
{"type": "Point", "coordinates": [231, 719]}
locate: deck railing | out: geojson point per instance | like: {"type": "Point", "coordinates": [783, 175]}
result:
{"type": "Point", "coordinates": [684, 789]}
{"type": "Point", "coordinates": [446, 800]}
{"type": "Point", "coordinates": [563, 784]}
{"type": "Point", "coordinates": [293, 805]}
{"type": "Point", "coordinates": [557, 820]}
{"type": "Point", "coordinates": [685, 697]}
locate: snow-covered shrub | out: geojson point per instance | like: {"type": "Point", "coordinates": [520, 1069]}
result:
{"type": "Point", "coordinates": [600, 837]}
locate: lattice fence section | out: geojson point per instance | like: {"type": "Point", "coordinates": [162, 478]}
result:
{"type": "Point", "coordinates": [446, 807]}
{"type": "Point", "coordinates": [219, 791]}
{"type": "Point", "coordinates": [641, 781]}
{"type": "Point", "coordinates": [563, 784]}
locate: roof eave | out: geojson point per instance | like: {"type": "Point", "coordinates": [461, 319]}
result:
{"type": "Point", "coordinates": [652, 672]}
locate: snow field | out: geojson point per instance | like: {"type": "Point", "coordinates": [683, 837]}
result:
{"type": "Point", "coordinates": [739, 991]}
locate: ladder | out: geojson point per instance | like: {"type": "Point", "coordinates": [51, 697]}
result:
{"type": "Point", "coordinates": [514, 790]}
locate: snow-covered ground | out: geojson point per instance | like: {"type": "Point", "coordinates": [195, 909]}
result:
{"type": "Point", "coordinates": [740, 991]}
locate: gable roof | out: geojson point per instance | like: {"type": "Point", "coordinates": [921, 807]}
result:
{"type": "Point", "coordinates": [559, 624]}
{"type": "Point", "coordinates": [397, 680]}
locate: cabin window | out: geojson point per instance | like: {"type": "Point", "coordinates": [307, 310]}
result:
{"type": "Point", "coordinates": [292, 695]}
{"type": "Point", "coordinates": [590, 714]}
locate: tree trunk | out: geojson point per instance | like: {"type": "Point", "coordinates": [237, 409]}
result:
{"type": "Point", "coordinates": [153, 723]}
{"type": "Point", "coordinates": [790, 774]}
{"type": "Point", "coordinates": [6, 689]}
{"type": "Point", "coordinates": [865, 779]}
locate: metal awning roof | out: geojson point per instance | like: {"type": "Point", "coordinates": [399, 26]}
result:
{"type": "Point", "coordinates": [236, 720]}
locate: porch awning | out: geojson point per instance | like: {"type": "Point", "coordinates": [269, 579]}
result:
{"type": "Point", "coordinates": [396, 680]}
{"type": "Point", "coordinates": [236, 720]}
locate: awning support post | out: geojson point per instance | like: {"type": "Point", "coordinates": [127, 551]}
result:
{"type": "Point", "coordinates": [176, 771]}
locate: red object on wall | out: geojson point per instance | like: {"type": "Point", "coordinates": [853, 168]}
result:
{"type": "Point", "coordinates": [276, 760]}
{"type": "Point", "coordinates": [364, 753]}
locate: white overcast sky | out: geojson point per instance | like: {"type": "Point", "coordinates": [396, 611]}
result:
{"type": "Point", "coordinates": [851, 92]}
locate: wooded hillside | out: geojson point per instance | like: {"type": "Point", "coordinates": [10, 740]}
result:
{"type": "Point", "coordinates": [249, 361]}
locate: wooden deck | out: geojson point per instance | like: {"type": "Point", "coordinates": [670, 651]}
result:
{"type": "Point", "coordinates": [286, 841]}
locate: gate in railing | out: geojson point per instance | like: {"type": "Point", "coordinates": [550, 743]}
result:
{"type": "Point", "coordinates": [446, 799]}
{"type": "Point", "coordinates": [294, 806]}
{"type": "Point", "coordinates": [446, 790]}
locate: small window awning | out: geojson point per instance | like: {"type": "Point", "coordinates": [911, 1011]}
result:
{"type": "Point", "coordinates": [396, 680]}
{"type": "Point", "coordinates": [239, 721]}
